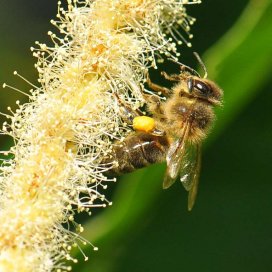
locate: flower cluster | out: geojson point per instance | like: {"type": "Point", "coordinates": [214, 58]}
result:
{"type": "Point", "coordinates": [62, 135]}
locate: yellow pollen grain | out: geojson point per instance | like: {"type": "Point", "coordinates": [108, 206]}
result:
{"type": "Point", "coordinates": [143, 123]}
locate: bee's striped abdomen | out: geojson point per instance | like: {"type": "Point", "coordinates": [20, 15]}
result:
{"type": "Point", "coordinates": [139, 150]}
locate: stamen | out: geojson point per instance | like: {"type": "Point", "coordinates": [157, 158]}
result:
{"type": "Point", "coordinates": [24, 79]}
{"type": "Point", "coordinates": [15, 89]}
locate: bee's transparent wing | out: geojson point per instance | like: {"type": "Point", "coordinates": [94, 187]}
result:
{"type": "Point", "coordinates": [174, 157]}
{"type": "Point", "coordinates": [189, 172]}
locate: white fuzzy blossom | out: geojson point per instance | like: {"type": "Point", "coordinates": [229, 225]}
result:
{"type": "Point", "coordinates": [62, 135]}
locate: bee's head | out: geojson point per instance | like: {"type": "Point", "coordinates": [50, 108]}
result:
{"type": "Point", "coordinates": [198, 86]}
{"type": "Point", "coordinates": [204, 89]}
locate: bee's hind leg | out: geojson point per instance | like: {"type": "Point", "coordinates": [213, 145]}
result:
{"type": "Point", "coordinates": [127, 113]}
{"type": "Point", "coordinates": [137, 119]}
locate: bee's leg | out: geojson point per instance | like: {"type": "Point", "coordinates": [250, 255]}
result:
{"type": "Point", "coordinates": [153, 102]}
{"type": "Point", "coordinates": [170, 77]}
{"type": "Point", "coordinates": [157, 88]}
{"type": "Point", "coordinates": [127, 113]}
{"type": "Point", "coordinates": [137, 119]}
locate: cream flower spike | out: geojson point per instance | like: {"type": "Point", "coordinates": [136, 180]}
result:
{"type": "Point", "coordinates": [67, 128]}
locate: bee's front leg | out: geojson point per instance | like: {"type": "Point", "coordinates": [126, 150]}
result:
{"type": "Point", "coordinates": [157, 88]}
{"type": "Point", "coordinates": [170, 77]}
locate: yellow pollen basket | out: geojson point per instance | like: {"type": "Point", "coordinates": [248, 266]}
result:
{"type": "Point", "coordinates": [143, 123]}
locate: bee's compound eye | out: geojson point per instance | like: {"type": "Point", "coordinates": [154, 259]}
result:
{"type": "Point", "coordinates": [190, 84]}
{"type": "Point", "coordinates": [202, 87]}
{"type": "Point", "coordinates": [143, 123]}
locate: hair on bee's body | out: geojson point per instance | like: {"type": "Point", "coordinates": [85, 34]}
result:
{"type": "Point", "coordinates": [183, 121]}
{"type": "Point", "coordinates": [182, 106]}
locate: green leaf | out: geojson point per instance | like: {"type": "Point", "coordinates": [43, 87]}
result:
{"type": "Point", "coordinates": [241, 61]}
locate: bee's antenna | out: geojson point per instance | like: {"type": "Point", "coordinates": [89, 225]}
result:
{"type": "Point", "coordinates": [185, 67]}
{"type": "Point", "coordinates": [201, 64]}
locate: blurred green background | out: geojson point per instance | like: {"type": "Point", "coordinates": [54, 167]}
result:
{"type": "Point", "coordinates": [148, 229]}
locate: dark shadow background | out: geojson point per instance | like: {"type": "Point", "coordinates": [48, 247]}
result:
{"type": "Point", "coordinates": [230, 226]}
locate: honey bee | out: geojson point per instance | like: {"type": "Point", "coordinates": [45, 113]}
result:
{"type": "Point", "coordinates": [175, 131]}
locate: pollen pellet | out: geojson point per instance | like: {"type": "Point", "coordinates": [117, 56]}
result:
{"type": "Point", "coordinates": [143, 123]}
